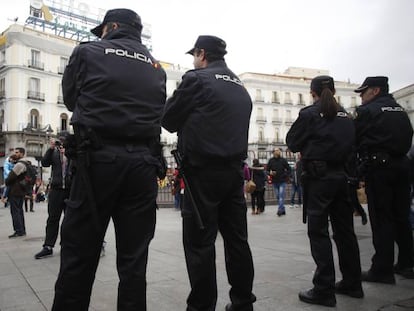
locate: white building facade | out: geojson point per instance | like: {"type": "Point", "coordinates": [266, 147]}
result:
{"type": "Point", "coordinates": [31, 103]}
{"type": "Point", "coordinates": [277, 100]}
{"type": "Point", "coordinates": [32, 110]}
{"type": "Point", "coordinates": [405, 97]}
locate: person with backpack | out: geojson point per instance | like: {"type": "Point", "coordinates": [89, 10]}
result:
{"type": "Point", "coordinates": [17, 181]}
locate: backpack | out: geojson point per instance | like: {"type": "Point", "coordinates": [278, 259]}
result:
{"type": "Point", "coordinates": [29, 177]}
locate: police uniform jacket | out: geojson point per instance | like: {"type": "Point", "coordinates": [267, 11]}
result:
{"type": "Point", "coordinates": [319, 138]}
{"type": "Point", "coordinates": [115, 87]}
{"type": "Point", "coordinates": [211, 111]}
{"type": "Point", "coordinates": [382, 125]}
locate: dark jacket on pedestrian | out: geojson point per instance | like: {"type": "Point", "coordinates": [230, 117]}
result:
{"type": "Point", "coordinates": [281, 168]}
{"type": "Point", "coordinates": [15, 176]}
{"type": "Point", "coordinates": [100, 86]}
{"type": "Point", "coordinates": [258, 175]}
{"type": "Point", "coordinates": [52, 158]}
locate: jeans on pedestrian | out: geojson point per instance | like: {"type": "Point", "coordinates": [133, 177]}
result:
{"type": "Point", "coordinates": [296, 189]}
{"type": "Point", "coordinates": [279, 189]}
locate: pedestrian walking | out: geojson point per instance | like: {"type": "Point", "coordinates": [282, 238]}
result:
{"type": "Point", "coordinates": [278, 167]}
{"type": "Point", "coordinates": [17, 191]}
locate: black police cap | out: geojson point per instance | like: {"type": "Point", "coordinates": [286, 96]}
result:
{"type": "Point", "coordinates": [378, 81]}
{"type": "Point", "coordinates": [210, 44]}
{"type": "Point", "coordinates": [320, 82]}
{"type": "Point", "coordinates": [124, 16]}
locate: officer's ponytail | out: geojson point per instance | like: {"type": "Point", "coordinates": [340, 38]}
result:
{"type": "Point", "coordinates": [329, 106]}
{"type": "Point", "coordinates": [324, 87]}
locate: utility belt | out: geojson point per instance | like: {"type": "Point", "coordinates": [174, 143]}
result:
{"type": "Point", "coordinates": [86, 140]}
{"type": "Point", "coordinates": [376, 158]}
{"type": "Point", "coordinates": [318, 169]}
{"type": "Point", "coordinates": [200, 161]}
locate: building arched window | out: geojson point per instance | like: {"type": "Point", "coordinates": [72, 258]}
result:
{"type": "Point", "coordinates": [34, 118]}
{"type": "Point", "coordinates": [277, 136]}
{"type": "Point", "coordinates": [63, 122]}
{"type": "Point", "coordinates": [261, 134]}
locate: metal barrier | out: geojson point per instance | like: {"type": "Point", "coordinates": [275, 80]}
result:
{"type": "Point", "coordinates": [166, 199]}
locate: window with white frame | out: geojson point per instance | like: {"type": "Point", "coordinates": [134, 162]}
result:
{"type": "Point", "coordinates": [261, 134]}
{"type": "Point", "coordinates": [2, 88]}
{"type": "Point", "coordinates": [35, 59]}
{"type": "Point", "coordinates": [62, 65]}
{"type": "Point", "coordinates": [259, 95]}
{"type": "Point", "coordinates": [63, 122]}
{"type": "Point", "coordinates": [2, 56]}
{"type": "Point", "coordinates": [288, 100]}
{"type": "Point", "coordinates": [275, 97]}
{"type": "Point", "coordinates": [34, 89]}
{"type": "Point", "coordinates": [34, 118]}
{"type": "Point", "coordinates": [288, 116]}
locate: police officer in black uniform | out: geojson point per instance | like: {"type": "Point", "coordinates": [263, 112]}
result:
{"type": "Point", "coordinates": [210, 110]}
{"type": "Point", "coordinates": [384, 134]}
{"type": "Point", "coordinates": [324, 135]}
{"type": "Point", "coordinates": [116, 91]}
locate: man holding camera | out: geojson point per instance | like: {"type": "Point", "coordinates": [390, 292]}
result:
{"type": "Point", "coordinates": [59, 192]}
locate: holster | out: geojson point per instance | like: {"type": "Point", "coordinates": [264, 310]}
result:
{"type": "Point", "coordinates": [316, 169]}
{"type": "Point", "coordinates": [82, 194]}
{"type": "Point", "coordinates": [156, 149]}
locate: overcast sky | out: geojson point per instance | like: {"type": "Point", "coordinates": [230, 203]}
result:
{"type": "Point", "coordinates": [350, 38]}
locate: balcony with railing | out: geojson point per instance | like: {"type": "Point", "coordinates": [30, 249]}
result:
{"type": "Point", "coordinates": [263, 141]}
{"type": "Point", "coordinates": [278, 141]}
{"type": "Point", "coordinates": [60, 100]}
{"type": "Point", "coordinates": [259, 99]}
{"type": "Point", "coordinates": [261, 119]}
{"type": "Point", "coordinates": [301, 103]}
{"type": "Point", "coordinates": [61, 69]}
{"type": "Point", "coordinates": [2, 94]}
{"type": "Point", "coordinates": [288, 102]}
{"type": "Point", "coordinates": [289, 121]}
{"type": "Point", "coordinates": [36, 95]}
{"type": "Point", "coordinates": [277, 120]}
{"type": "Point", "coordinates": [36, 64]}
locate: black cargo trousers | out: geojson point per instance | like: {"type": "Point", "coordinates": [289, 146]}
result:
{"type": "Point", "coordinates": [218, 193]}
{"type": "Point", "coordinates": [388, 192]}
{"type": "Point", "coordinates": [327, 200]}
{"type": "Point", "coordinates": [124, 182]}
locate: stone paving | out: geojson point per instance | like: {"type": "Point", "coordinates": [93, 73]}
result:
{"type": "Point", "coordinates": [283, 266]}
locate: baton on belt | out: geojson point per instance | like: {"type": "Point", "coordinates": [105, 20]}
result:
{"type": "Point", "coordinates": [304, 181]}
{"type": "Point", "coordinates": [179, 161]}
